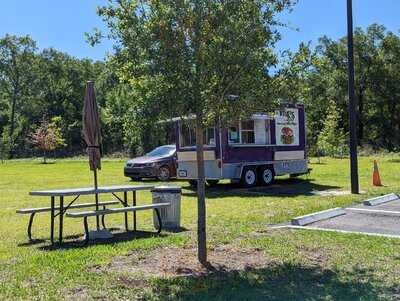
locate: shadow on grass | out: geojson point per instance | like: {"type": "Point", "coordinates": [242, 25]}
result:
{"type": "Point", "coordinates": [155, 180]}
{"type": "Point", "coordinates": [117, 238]}
{"type": "Point", "coordinates": [32, 242]}
{"type": "Point", "coordinates": [317, 163]}
{"type": "Point", "coordinates": [281, 187]}
{"type": "Point", "coordinates": [278, 282]}
{"type": "Point", "coordinates": [395, 160]}
{"type": "Point", "coordinates": [36, 241]}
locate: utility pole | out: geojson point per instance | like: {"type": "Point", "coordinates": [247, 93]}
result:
{"type": "Point", "coordinates": [352, 103]}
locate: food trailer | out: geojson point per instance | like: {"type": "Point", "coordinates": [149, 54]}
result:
{"type": "Point", "coordinates": [251, 151]}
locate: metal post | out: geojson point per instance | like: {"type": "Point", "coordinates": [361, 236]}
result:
{"type": "Point", "coordinates": [60, 234]}
{"type": "Point", "coordinates": [352, 102]}
{"type": "Point", "coordinates": [134, 212]}
{"type": "Point", "coordinates": [30, 226]}
{"type": "Point", "coordinates": [96, 197]}
{"type": "Point", "coordinates": [52, 220]}
{"type": "Point", "coordinates": [126, 213]}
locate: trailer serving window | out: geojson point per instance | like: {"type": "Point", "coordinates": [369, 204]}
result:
{"type": "Point", "coordinates": [233, 135]}
{"type": "Point", "coordinates": [188, 136]}
{"type": "Point", "coordinates": [209, 136]}
{"type": "Point", "coordinates": [247, 132]}
{"type": "Point", "coordinates": [242, 133]}
{"type": "Point", "coordinates": [256, 132]}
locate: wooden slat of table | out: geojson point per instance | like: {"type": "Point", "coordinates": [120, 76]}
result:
{"type": "Point", "coordinates": [90, 190]}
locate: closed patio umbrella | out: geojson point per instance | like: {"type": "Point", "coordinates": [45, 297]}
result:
{"type": "Point", "coordinates": [92, 135]}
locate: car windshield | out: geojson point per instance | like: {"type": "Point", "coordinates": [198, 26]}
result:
{"type": "Point", "coordinates": [162, 151]}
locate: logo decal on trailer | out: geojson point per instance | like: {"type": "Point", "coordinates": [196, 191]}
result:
{"type": "Point", "coordinates": [182, 173]}
{"type": "Point", "coordinates": [287, 127]}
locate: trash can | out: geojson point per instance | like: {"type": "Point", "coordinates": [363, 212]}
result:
{"type": "Point", "coordinates": [171, 215]}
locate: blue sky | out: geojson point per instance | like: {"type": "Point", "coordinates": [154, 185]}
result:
{"type": "Point", "coordinates": [61, 23]}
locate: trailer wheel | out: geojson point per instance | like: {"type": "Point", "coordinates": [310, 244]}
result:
{"type": "Point", "coordinates": [249, 177]}
{"type": "Point", "coordinates": [267, 175]}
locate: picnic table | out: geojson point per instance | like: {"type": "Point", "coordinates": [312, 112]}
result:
{"type": "Point", "coordinates": [75, 193]}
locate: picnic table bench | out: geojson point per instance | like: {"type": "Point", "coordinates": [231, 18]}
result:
{"type": "Point", "coordinates": [34, 211]}
{"type": "Point", "coordinates": [61, 209]}
{"type": "Point", "coordinates": [86, 214]}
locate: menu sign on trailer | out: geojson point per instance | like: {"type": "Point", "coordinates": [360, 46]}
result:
{"type": "Point", "coordinates": [287, 127]}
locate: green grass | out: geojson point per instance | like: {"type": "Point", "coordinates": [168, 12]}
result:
{"type": "Point", "coordinates": [304, 265]}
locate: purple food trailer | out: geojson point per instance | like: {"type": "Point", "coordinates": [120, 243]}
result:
{"type": "Point", "coordinates": [251, 151]}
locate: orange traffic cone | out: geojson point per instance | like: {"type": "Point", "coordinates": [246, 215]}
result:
{"type": "Point", "coordinates": [376, 179]}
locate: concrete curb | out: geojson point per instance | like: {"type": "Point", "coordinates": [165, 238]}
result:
{"type": "Point", "coordinates": [317, 216]}
{"type": "Point", "coordinates": [336, 231]}
{"type": "Point", "coordinates": [374, 212]}
{"type": "Point", "coordinates": [381, 199]}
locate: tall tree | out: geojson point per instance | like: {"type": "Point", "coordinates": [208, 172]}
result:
{"type": "Point", "coordinates": [323, 78]}
{"type": "Point", "coordinates": [332, 140]}
{"type": "Point", "coordinates": [384, 113]}
{"type": "Point", "coordinates": [61, 82]}
{"type": "Point", "coordinates": [187, 57]}
{"type": "Point", "coordinates": [16, 75]}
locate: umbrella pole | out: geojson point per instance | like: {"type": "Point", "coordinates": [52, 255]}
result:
{"type": "Point", "coordinates": [96, 197]}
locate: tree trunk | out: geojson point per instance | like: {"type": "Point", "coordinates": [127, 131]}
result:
{"type": "Point", "coordinates": [44, 157]}
{"type": "Point", "coordinates": [201, 195]}
{"type": "Point", "coordinates": [12, 123]}
{"type": "Point", "coordinates": [14, 99]}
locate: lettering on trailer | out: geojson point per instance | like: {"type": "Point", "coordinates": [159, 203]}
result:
{"type": "Point", "coordinates": [287, 127]}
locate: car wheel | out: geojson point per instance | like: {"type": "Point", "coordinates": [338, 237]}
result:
{"type": "Point", "coordinates": [135, 178]}
{"type": "Point", "coordinates": [212, 183]}
{"type": "Point", "coordinates": [164, 173]}
{"type": "Point", "coordinates": [267, 175]}
{"type": "Point", "coordinates": [249, 177]}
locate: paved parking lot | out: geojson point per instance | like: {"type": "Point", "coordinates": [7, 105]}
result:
{"type": "Point", "coordinates": [365, 222]}
{"type": "Point", "coordinates": [382, 219]}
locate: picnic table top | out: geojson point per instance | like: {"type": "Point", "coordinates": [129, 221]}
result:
{"type": "Point", "coordinates": [90, 190]}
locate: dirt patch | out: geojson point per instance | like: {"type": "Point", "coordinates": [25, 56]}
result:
{"type": "Point", "coordinates": [80, 292]}
{"type": "Point", "coordinates": [315, 256]}
{"type": "Point", "coordinates": [131, 282]}
{"type": "Point", "coordinates": [171, 262]}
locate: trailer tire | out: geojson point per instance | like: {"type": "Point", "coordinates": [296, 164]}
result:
{"type": "Point", "coordinates": [249, 176]}
{"type": "Point", "coordinates": [267, 175]}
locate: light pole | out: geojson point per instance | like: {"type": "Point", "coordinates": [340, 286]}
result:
{"type": "Point", "coordinates": [352, 102]}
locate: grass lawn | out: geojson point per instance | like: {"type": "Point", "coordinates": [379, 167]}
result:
{"type": "Point", "coordinates": [303, 265]}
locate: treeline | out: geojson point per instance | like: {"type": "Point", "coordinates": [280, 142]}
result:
{"type": "Point", "coordinates": [37, 85]}
{"type": "Point", "coordinates": [319, 77]}
{"type": "Point", "coordinates": [34, 85]}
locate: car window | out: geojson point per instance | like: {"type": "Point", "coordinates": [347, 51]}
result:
{"type": "Point", "coordinates": [162, 151]}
